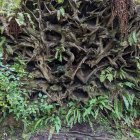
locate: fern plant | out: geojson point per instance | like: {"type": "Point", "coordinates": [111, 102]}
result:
{"type": "Point", "coordinates": [107, 74]}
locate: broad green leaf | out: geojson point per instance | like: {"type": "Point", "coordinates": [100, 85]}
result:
{"type": "Point", "coordinates": [20, 19]}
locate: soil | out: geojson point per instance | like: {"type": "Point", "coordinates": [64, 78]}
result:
{"type": "Point", "coordinates": [77, 132]}
{"type": "Point", "coordinates": [84, 132]}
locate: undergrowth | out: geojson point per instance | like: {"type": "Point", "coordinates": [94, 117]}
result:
{"type": "Point", "coordinates": [121, 109]}
{"type": "Point", "coordinates": [37, 113]}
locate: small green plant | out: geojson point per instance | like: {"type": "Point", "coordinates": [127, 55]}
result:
{"type": "Point", "coordinates": [60, 13]}
{"type": "Point", "coordinates": [9, 6]}
{"type": "Point", "coordinates": [20, 18]}
{"type": "Point", "coordinates": [78, 113]}
{"type": "Point", "coordinates": [59, 51]}
{"type": "Point", "coordinates": [107, 74]}
{"type": "Point", "coordinates": [121, 74]}
{"type": "Point", "coordinates": [123, 109]}
{"type": "Point", "coordinates": [74, 114]}
{"type": "Point", "coordinates": [8, 84]}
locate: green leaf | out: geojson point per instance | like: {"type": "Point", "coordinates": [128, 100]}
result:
{"type": "Point", "coordinates": [136, 132]}
{"type": "Point", "coordinates": [20, 19]}
{"type": "Point", "coordinates": [56, 55]}
{"type": "Point", "coordinates": [9, 50]}
{"type": "Point", "coordinates": [138, 65]}
{"type": "Point", "coordinates": [38, 123]}
{"type": "Point", "coordinates": [109, 77]}
{"type": "Point", "coordinates": [117, 108]}
{"type": "Point", "coordinates": [62, 11]}
{"type": "Point", "coordinates": [58, 14]}
{"type": "Point", "coordinates": [93, 101]}
{"type": "Point", "coordinates": [130, 40]}
{"type": "Point", "coordinates": [134, 37]}
{"type": "Point", "coordinates": [102, 78]}
{"type": "Point", "coordinates": [79, 117]}
{"type": "Point", "coordinates": [3, 41]}
{"type": "Point", "coordinates": [87, 111]}
{"type": "Point", "coordinates": [59, 1]}
{"type": "Point", "coordinates": [60, 57]}
{"type": "Point", "coordinates": [129, 84]}
{"type": "Point", "coordinates": [57, 124]}
{"type": "Point", "coordinates": [126, 102]}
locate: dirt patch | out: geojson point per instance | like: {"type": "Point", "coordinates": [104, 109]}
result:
{"type": "Point", "coordinates": [78, 132]}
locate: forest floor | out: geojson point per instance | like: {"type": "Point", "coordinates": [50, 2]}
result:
{"type": "Point", "coordinates": [77, 132]}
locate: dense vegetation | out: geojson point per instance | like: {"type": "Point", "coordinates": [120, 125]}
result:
{"type": "Point", "coordinates": [68, 61]}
